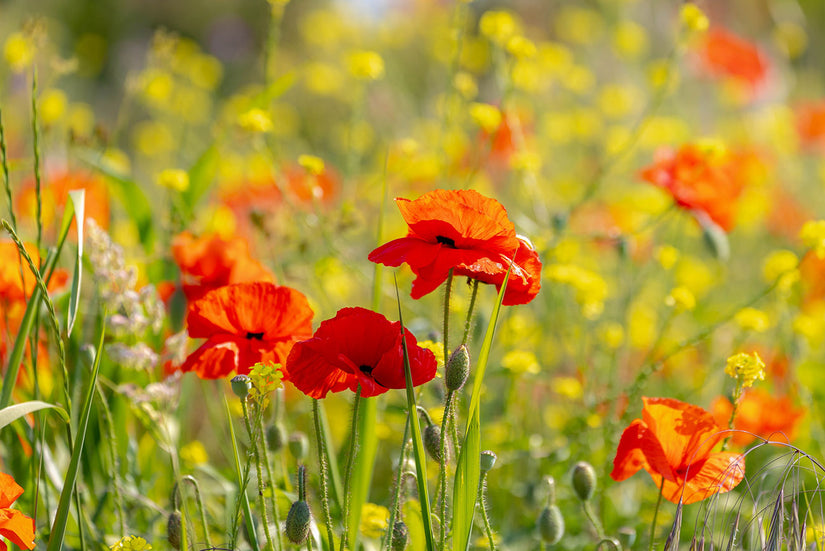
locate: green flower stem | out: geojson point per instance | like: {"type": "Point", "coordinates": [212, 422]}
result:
{"type": "Point", "coordinates": [442, 471]}
{"type": "Point", "coordinates": [655, 515]}
{"type": "Point", "coordinates": [737, 394]}
{"type": "Point", "coordinates": [322, 466]}
{"type": "Point", "coordinates": [446, 326]}
{"type": "Point", "coordinates": [594, 520]}
{"type": "Point", "coordinates": [176, 491]}
{"type": "Point", "coordinates": [395, 509]}
{"type": "Point", "coordinates": [482, 501]}
{"type": "Point", "coordinates": [468, 321]}
{"type": "Point", "coordinates": [37, 179]}
{"type": "Point", "coordinates": [353, 451]}
{"type": "Point", "coordinates": [273, 498]}
{"type": "Point", "coordinates": [253, 442]}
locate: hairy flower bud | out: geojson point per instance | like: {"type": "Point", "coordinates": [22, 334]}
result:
{"type": "Point", "coordinates": [298, 445]}
{"type": "Point", "coordinates": [276, 437]}
{"type": "Point", "coordinates": [551, 524]}
{"type": "Point", "coordinates": [432, 441]}
{"type": "Point", "coordinates": [297, 522]}
{"type": "Point", "coordinates": [458, 368]}
{"type": "Point", "coordinates": [173, 529]}
{"type": "Point", "coordinates": [488, 460]}
{"type": "Point", "coordinates": [400, 536]}
{"type": "Point", "coordinates": [584, 480]}
{"type": "Point", "coordinates": [241, 385]}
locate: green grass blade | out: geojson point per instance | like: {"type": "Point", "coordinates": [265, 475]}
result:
{"type": "Point", "coordinates": [62, 516]}
{"type": "Point", "coordinates": [250, 523]}
{"type": "Point", "coordinates": [418, 443]}
{"type": "Point", "coordinates": [12, 413]}
{"type": "Point", "coordinates": [78, 198]}
{"type": "Point", "coordinates": [201, 176]}
{"type": "Point", "coordinates": [468, 469]}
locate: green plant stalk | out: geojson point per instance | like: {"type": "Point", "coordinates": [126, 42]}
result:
{"type": "Point", "coordinates": [594, 521]}
{"type": "Point", "coordinates": [198, 499]}
{"type": "Point", "coordinates": [442, 469]}
{"type": "Point", "coordinates": [113, 457]}
{"type": "Point", "coordinates": [353, 451]}
{"type": "Point", "coordinates": [61, 518]}
{"type": "Point", "coordinates": [253, 443]}
{"type": "Point", "coordinates": [322, 466]}
{"type": "Point", "coordinates": [418, 444]}
{"type": "Point", "coordinates": [656, 514]}
{"type": "Point", "coordinates": [36, 146]}
{"type": "Point", "coordinates": [446, 323]}
{"type": "Point", "coordinates": [395, 508]}
{"type": "Point", "coordinates": [276, 515]}
{"type": "Point", "coordinates": [482, 501]}
{"type": "Point", "coordinates": [332, 464]}
{"type": "Point", "coordinates": [248, 518]}
{"type": "Point", "coordinates": [469, 321]}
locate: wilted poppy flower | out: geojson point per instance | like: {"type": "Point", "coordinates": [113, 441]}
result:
{"type": "Point", "coordinates": [761, 414]}
{"type": "Point", "coordinates": [700, 179]}
{"type": "Point", "coordinates": [14, 525]}
{"type": "Point", "coordinates": [357, 347]}
{"type": "Point", "coordinates": [245, 323]}
{"type": "Point", "coordinates": [464, 231]}
{"type": "Point", "coordinates": [726, 54]}
{"type": "Point", "coordinates": [210, 262]}
{"type": "Point", "coordinates": [55, 194]}
{"type": "Point", "coordinates": [673, 441]}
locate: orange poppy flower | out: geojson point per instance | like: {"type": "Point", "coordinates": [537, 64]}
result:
{"type": "Point", "coordinates": [810, 124]}
{"type": "Point", "coordinates": [357, 347]}
{"type": "Point", "coordinates": [245, 323]}
{"type": "Point", "coordinates": [11, 287]}
{"type": "Point", "coordinates": [55, 194]}
{"type": "Point", "coordinates": [673, 442]}
{"type": "Point", "coordinates": [464, 231]}
{"type": "Point", "coordinates": [726, 54]}
{"type": "Point", "coordinates": [760, 414]}
{"type": "Point", "coordinates": [699, 180]}
{"type": "Point", "coordinates": [308, 188]}
{"type": "Point", "coordinates": [14, 525]}
{"type": "Point", "coordinates": [209, 262]}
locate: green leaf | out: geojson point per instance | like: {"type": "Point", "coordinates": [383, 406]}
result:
{"type": "Point", "coordinates": [468, 470]}
{"type": "Point", "coordinates": [13, 413]}
{"type": "Point", "coordinates": [78, 198]}
{"type": "Point", "coordinates": [201, 176]}
{"type": "Point", "coordinates": [62, 516]}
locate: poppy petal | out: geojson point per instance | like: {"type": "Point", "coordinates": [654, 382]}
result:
{"type": "Point", "coordinates": [215, 359]}
{"type": "Point", "coordinates": [17, 527]}
{"type": "Point", "coordinates": [639, 449]}
{"type": "Point", "coordinates": [310, 371]}
{"type": "Point", "coordinates": [9, 490]}
{"type": "Point", "coordinates": [718, 474]}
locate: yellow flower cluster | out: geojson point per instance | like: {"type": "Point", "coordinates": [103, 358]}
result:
{"type": "Point", "coordinates": [813, 236]}
{"type": "Point", "coordinates": [374, 520]}
{"type": "Point", "coordinates": [746, 368]}
{"type": "Point", "coordinates": [131, 543]}
{"type": "Point", "coordinates": [591, 289]}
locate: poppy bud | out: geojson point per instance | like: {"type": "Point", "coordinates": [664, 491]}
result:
{"type": "Point", "coordinates": [276, 437]}
{"type": "Point", "coordinates": [627, 537]}
{"type": "Point", "coordinates": [400, 536]}
{"type": "Point", "coordinates": [488, 460]}
{"type": "Point", "coordinates": [173, 528]}
{"type": "Point", "coordinates": [584, 480]}
{"type": "Point", "coordinates": [298, 445]}
{"type": "Point", "coordinates": [458, 368]}
{"type": "Point", "coordinates": [551, 524]}
{"type": "Point", "coordinates": [241, 385]}
{"type": "Point", "coordinates": [297, 522]}
{"type": "Point", "coordinates": [432, 441]}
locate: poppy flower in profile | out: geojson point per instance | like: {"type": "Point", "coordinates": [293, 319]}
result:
{"type": "Point", "coordinates": [14, 525]}
{"type": "Point", "coordinates": [211, 261]}
{"type": "Point", "coordinates": [673, 442]}
{"type": "Point", "coordinates": [244, 324]}
{"type": "Point", "coordinates": [726, 54]}
{"type": "Point", "coordinates": [701, 179]}
{"type": "Point", "coordinates": [357, 347]}
{"type": "Point", "coordinates": [759, 415]}
{"type": "Point", "coordinates": [467, 232]}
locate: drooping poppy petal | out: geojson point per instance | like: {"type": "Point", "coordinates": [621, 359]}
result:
{"type": "Point", "coordinates": [14, 525]}
{"type": "Point", "coordinates": [9, 490]}
{"type": "Point", "coordinates": [356, 347]}
{"type": "Point", "coordinates": [719, 473]}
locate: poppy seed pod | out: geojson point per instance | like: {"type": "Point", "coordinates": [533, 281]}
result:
{"type": "Point", "coordinates": [458, 368]}
{"type": "Point", "coordinates": [432, 441]}
{"type": "Point", "coordinates": [276, 437]}
{"type": "Point", "coordinates": [400, 536]}
{"type": "Point", "coordinates": [173, 528]}
{"type": "Point", "coordinates": [584, 480]}
{"type": "Point", "coordinates": [298, 445]}
{"type": "Point", "coordinates": [488, 460]}
{"type": "Point", "coordinates": [297, 522]}
{"type": "Point", "coordinates": [241, 385]}
{"type": "Point", "coordinates": [551, 524]}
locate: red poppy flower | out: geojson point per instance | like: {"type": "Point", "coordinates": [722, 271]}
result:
{"type": "Point", "coordinates": [810, 124]}
{"type": "Point", "coordinates": [55, 194]}
{"type": "Point", "coordinates": [673, 441]}
{"type": "Point", "coordinates": [464, 231]}
{"type": "Point", "coordinates": [700, 180]}
{"type": "Point", "coordinates": [357, 347]}
{"type": "Point", "coordinates": [12, 289]}
{"type": "Point", "coordinates": [726, 54]}
{"type": "Point", "coordinates": [245, 323]}
{"type": "Point", "coordinates": [14, 525]}
{"type": "Point", "coordinates": [761, 414]}
{"type": "Point", "coordinates": [210, 262]}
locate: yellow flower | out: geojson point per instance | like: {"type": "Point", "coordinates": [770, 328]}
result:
{"type": "Point", "coordinates": [53, 105]}
{"type": "Point", "coordinates": [374, 520]}
{"type": "Point", "coordinates": [256, 120]}
{"type": "Point", "coordinates": [693, 18]}
{"type": "Point", "coordinates": [487, 116]}
{"type": "Point", "coordinates": [611, 334]}
{"type": "Point", "coordinates": [569, 387]}
{"type": "Point", "coordinates": [746, 368]}
{"type": "Point", "coordinates": [681, 299]}
{"type": "Point", "coordinates": [194, 453]}
{"type": "Point", "coordinates": [174, 178]}
{"type": "Point", "coordinates": [667, 256]}
{"type": "Point", "coordinates": [131, 543]}
{"type": "Point", "coordinates": [365, 65]}
{"type": "Point", "coordinates": [312, 164]}
{"type": "Point", "coordinates": [266, 377]}
{"type": "Point", "coordinates": [521, 47]}
{"type": "Point", "coordinates": [521, 361]}
{"type": "Point", "coordinates": [436, 348]}
{"type": "Point", "coordinates": [498, 26]}
{"type": "Point", "coordinates": [813, 236]}
{"type": "Point", "coordinates": [753, 320]}
{"type": "Point", "coordinates": [18, 51]}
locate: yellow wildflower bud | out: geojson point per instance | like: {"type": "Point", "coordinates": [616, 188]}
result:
{"type": "Point", "coordinates": [312, 164]}
{"type": "Point", "coordinates": [681, 299]}
{"type": "Point", "coordinates": [175, 179]}
{"type": "Point", "coordinates": [487, 116]}
{"type": "Point", "coordinates": [365, 65]}
{"type": "Point", "coordinates": [693, 18]}
{"type": "Point", "coordinates": [18, 51]}
{"type": "Point", "coordinates": [813, 236]}
{"type": "Point", "coordinates": [521, 361]}
{"type": "Point", "coordinates": [753, 320]}
{"type": "Point", "coordinates": [255, 120]}
{"type": "Point", "coordinates": [521, 47]}
{"type": "Point", "coordinates": [498, 26]}
{"type": "Point", "coordinates": [374, 520]}
{"type": "Point", "coordinates": [778, 264]}
{"type": "Point", "coordinates": [667, 256]}
{"type": "Point", "coordinates": [194, 453]}
{"type": "Point", "coordinates": [53, 105]}
{"type": "Point", "coordinates": [746, 368]}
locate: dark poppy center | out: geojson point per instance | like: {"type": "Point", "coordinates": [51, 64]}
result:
{"type": "Point", "coordinates": [258, 336]}
{"type": "Point", "coordinates": [366, 369]}
{"type": "Point", "coordinates": [445, 241]}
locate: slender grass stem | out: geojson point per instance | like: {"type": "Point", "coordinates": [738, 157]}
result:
{"type": "Point", "coordinates": [655, 515]}
{"type": "Point", "coordinates": [273, 498]}
{"type": "Point", "coordinates": [442, 471]}
{"type": "Point", "coordinates": [253, 442]}
{"type": "Point", "coordinates": [353, 451]}
{"type": "Point", "coordinates": [322, 466]}
{"type": "Point", "coordinates": [469, 321]}
{"type": "Point", "coordinates": [395, 508]}
{"type": "Point", "coordinates": [36, 146]}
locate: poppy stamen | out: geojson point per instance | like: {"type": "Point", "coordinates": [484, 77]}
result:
{"type": "Point", "coordinates": [259, 336]}
{"type": "Point", "coordinates": [445, 241]}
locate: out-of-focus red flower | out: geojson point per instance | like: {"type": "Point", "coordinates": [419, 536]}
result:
{"type": "Point", "coordinates": [726, 54]}
{"type": "Point", "coordinates": [787, 215]}
{"type": "Point", "coordinates": [673, 442]}
{"type": "Point", "coordinates": [12, 288]}
{"type": "Point", "coordinates": [209, 262]}
{"type": "Point", "coordinates": [357, 347]}
{"type": "Point", "coordinates": [55, 194]}
{"type": "Point", "coordinates": [761, 414]}
{"type": "Point", "coordinates": [464, 231]}
{"type": "Point", "coordinates": [245, 323]}
{"type": "Point", "coordinates": [309, 188]}
{"type": "Point", "coordinates": [700, 180]}
{"type": "Point", "coordinates": [812, 276]}
{"type": "Point", "coordinates": [14, 525]}
{"type": "Point", "coordinates": [810, 124]}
